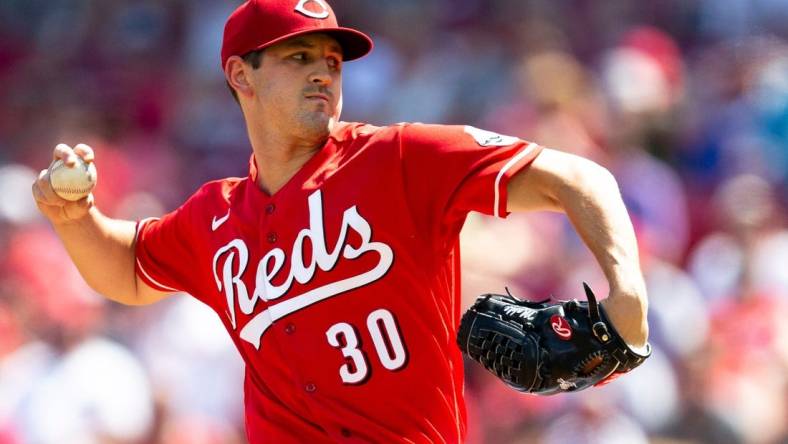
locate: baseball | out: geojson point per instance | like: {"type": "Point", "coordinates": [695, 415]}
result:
{"type": "Point", "coordinates": [72, 183]}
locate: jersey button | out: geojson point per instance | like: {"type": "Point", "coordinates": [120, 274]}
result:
{"type": "Point", "coordinates": [269, 209]}
{"type": "Point", "coordinates": [310, 387]}
{"type": "Point", "coordinates": [345, 432]}
{"type": "Point", "coordinates": [290, 329]}
{"type": "Point", "coordinates": [272, 238]}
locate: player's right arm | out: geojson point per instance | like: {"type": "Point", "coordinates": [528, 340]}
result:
{"type": "Point", "coordinates": [102, 248]}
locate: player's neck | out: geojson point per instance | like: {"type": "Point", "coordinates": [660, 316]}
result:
{"type": "Point", "coordinates": [280, 157]}
{"type": "Point", "coordinates": [282, 146]}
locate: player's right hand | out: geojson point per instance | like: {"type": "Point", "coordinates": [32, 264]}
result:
{"type": "Point", "coordinates": [54, 207]}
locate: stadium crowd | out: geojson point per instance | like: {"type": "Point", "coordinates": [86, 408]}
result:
{"type": "Point", "coordinates": [685, 101]}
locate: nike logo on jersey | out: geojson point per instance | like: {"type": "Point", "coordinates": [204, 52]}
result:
{"type": "Point", "coordinates": [235, 256]}
{"type": "Point", "coordinates": [216, 223]}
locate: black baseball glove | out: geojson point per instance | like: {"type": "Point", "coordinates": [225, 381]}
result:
{"type": "Point", "coordinates": [546, 347]}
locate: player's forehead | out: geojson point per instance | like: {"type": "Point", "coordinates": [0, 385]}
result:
{"type": "Point", "coordinates": [316, 40]}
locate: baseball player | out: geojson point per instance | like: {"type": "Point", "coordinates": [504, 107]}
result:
{"type": "Point", "coordinates": [334, 265]}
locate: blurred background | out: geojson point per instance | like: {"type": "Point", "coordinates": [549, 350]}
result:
{"type": "Point", "coordinates": [686, 101]}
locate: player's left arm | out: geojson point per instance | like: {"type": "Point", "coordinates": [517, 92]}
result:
{"type": "Point", "coordinates": [589, 195]}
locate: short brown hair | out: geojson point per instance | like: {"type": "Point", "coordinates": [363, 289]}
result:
{"type": "Point", "coordinates": [254, 59]}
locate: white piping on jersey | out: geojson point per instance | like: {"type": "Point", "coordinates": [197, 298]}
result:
{"type": "Point", "coordinates": [516, 158]}
{"type": "Point", "coordinates": [141, 224]}
{"type": "Point", "coordinates": [157, 283]}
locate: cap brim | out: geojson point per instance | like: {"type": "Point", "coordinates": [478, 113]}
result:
{"type": "Point", "coordinates": [355, 44]}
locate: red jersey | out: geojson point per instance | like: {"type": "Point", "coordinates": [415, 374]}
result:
{"type": "Point", "coordinates": [341, 290]}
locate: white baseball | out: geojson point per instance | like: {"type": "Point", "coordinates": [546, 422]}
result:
{"type": "Point", "coordinates": [73, 183]}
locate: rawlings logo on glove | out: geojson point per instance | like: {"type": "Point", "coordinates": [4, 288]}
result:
{"type": "Point", "coordinates": [546, 347]}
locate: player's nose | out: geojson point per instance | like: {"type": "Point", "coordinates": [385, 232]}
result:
{"type": "Point", "coordinates": [322, 79]}
{"type": "Point", "coordinates": [321, 75]}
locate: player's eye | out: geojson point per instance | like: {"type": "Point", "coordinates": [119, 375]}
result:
{"type": "Point", "coordinates": [300, 56]}
{"type": "Point", "coordinates": [334, 63]}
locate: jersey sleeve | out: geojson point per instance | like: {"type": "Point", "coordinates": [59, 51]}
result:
{"type": "Point", "coordinates": [164, 254]}
{"type": "Point", "coordinates": [452, 170]}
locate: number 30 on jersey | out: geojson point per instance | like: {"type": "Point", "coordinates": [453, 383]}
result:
{"type": "Point", "coordinates": [386, 338]}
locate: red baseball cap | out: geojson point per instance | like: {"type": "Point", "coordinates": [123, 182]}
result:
{"type": "Point", "coordinates": [257, 24]}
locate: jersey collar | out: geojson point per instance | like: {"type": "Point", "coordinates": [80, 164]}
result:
{"type": "Point", "coordinates": [338, 134]}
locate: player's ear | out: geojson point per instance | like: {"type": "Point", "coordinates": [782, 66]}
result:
{"type": "Point", "coordinates": [237, 76]}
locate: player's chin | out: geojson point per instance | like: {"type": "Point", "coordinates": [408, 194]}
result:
{"type": "Point", "coordinates": [316, 123]}
{"type": "Point", "coordinates": [320, 108]}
